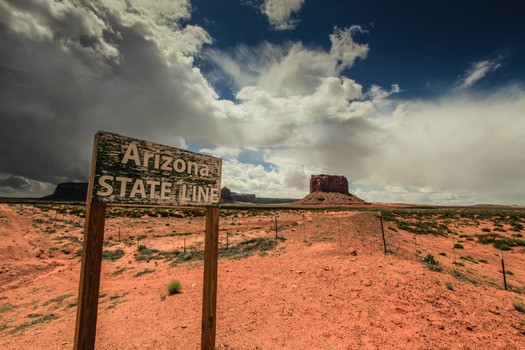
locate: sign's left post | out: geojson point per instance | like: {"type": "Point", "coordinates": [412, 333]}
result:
{"type": "Point", "coordinates": [88, 292]}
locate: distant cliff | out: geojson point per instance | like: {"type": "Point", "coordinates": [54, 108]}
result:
{"type": "Point", "coordinates": [69, 192]}
{"type": "Point", "coordinates": [228, 196]}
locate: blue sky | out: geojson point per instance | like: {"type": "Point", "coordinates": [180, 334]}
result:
{"type": "Point", "coordinates": [412, 101]}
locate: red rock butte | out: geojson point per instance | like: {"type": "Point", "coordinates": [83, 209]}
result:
{"type": "Point", "coordinates": [329, 190]}
{"type": "Point", "coordinates": [329, 183]}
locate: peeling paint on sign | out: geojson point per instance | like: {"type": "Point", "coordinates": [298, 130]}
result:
{"type": "Point", "coordinates": [132, 171]}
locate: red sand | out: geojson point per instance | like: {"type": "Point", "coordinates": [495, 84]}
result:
{"type": "Point", "coordinates": [328, 286]}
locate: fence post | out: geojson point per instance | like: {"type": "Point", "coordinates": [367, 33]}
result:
{"type": "Point", "coordinates": [276, 236]}
{"type": "Point", "coordinates": [503, 270]}
{"type": "Point", "coordinates": [382, 230]}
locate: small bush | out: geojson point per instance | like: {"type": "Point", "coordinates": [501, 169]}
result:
{"type": "Point", "coordinates": [449, 286]}
{"type": "Point", "coordinates": [174, 287]}
{"type": "Point", "coordinates": [458, 246]}
{"type": "Point", "coordinates": [519, 306]}
{"type": "Point", "coordinates": [113, 255]}
{"type": "Point", "coordinates": [432, 263]}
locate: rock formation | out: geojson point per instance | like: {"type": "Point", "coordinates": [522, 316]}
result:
{"type": "Point", "coordinates": [226, 195]}
{"type": "Point", "coordinates": [329, 190]}
{"type": "Point", "coordinates": [329, 183]}
{"type": "Point", "coordinates": [69, 191]}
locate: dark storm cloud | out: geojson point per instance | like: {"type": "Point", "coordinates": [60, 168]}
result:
{"type": "Point", "coordinates": [70, 76]}
{"type": "Point", "coordinates": [14, 182]}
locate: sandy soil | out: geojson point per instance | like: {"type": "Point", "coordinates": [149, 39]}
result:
{"type": "Point", "coordinates": [327, 286]}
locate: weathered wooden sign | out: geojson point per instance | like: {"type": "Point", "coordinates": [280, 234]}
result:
{"type": "Point", "coordinates": [132, 171]}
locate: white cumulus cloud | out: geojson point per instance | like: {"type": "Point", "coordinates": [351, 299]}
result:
{"type": "Point", "coordinates": [280, 13]}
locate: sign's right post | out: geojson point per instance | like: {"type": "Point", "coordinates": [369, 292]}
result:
{"type": "Point", "coordinates": [209, 294]}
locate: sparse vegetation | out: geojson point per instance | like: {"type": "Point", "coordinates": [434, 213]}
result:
{"type": "Point", "coordinates": [36, 320]}
{"type": "Point", "coordinates": [519, 306]}
{"type": "Point", "coordinates": [499, 241]}
{"type": "Point", "coordinates": [112, 255]}
{"type": "Point", "coordinates": [469, 258]}
{"type": "Point", "coordinates": [144, 272]}
{"type": "Point", "coordinates": [174, 287]}
{"type": "Point", "coordinates": [458, 246]}
{"type": "Point", "coordinates": [463, 277]}
{"type": "Point", "coordinates": [58, 300]}
{"type": "Point", "coordinates": [432, 263]}
{"type": "Point", "coordinates": [161, 242]}
{"type": "Point", "coordinates": [7, 307]}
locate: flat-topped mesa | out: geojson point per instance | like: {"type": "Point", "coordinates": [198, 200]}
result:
{"type": "Point", "coordinates": [329, 190]}
{"type": "Point", "coordinates": [329, 183]}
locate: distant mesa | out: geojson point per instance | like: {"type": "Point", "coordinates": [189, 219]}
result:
{"type": "Point", "coordinates": [229, 197]}
{"type": "Point", "coordinates": [329, 190]}
{"type": "Point", "coordinates": [69, 192]}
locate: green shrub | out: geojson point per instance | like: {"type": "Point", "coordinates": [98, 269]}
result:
{"type": "Point", "coordinates": [174, 287]}
{"type": "Point", "coordinates": [519, 306]}
{"type": "Point", "coordinates": [144, 272]}
{"type": "Point", "coordinates": [469, 258]}
{"type": "Point", "coordinates": [113, 255]}
{"type": "Point", "coordinates": [463, 277]}
{"type": "Point", "coordinates": [432, 263]}
{"type": "Point", "coordinates": [458, 246]}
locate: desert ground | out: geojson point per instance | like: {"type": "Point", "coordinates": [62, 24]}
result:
{"type": "Point", "coordinates": [322, 281]}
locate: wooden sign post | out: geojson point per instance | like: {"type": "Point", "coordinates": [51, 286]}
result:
{"type": "Point", "coordinates": [127, 171]}
{"type": "Point", "coordinates": [90, 267]}
{"type": "Point", "coordinates": [209, 294]}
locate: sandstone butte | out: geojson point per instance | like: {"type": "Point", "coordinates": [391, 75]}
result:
{"type": "Point", "coordinates": [329, 190]}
